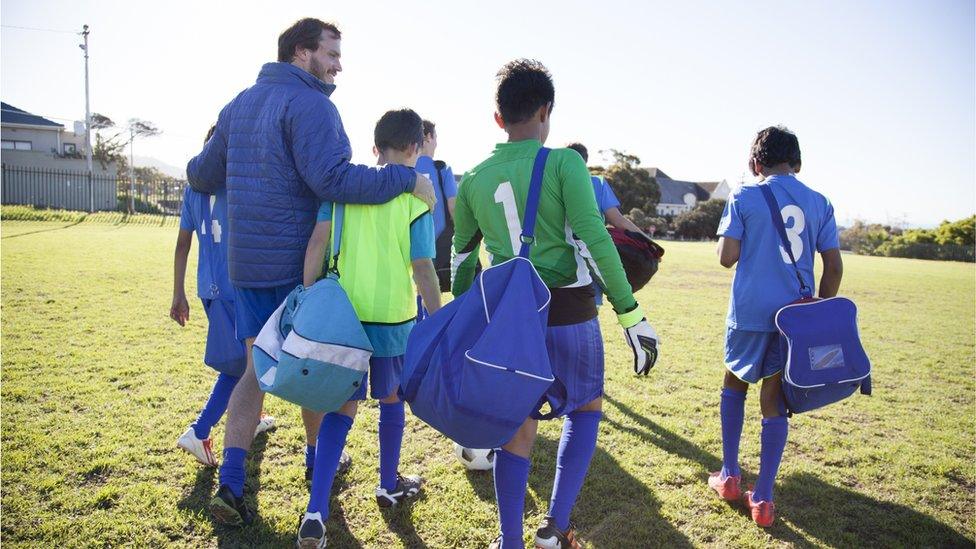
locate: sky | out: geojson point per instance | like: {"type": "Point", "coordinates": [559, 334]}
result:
{"type": "Point", "coordinates": [882, 95]}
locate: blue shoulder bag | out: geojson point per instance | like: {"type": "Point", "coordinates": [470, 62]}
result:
{"type": "Point", "coordinates": [478, 368]}
{"type": "Point", "coordinates": [313, 350]}
{"type": "Point", "coordinates": [825, 361]}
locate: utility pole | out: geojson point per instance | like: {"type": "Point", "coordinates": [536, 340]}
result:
{"type": "Point", "coordinates": [88, 145]}
{"type": "Point", "coordinates": [132, 170]}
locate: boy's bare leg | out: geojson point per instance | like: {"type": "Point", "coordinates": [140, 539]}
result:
{"type": "Point", "coordinates": [312, 421]}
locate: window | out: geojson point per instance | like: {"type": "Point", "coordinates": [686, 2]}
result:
{"type": "Point", "coordinates": [70, 148]}
{"type": "Point", "coordinates": [16, 145]}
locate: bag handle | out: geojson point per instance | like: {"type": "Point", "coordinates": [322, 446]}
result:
{"type": "Point", "coordinates": [532, 202]}
{"type": "Point", "coordinates": [563, 397]}
{"type": "Point", "coordinates": [338, 211]}
{"type": "Point", "coordinates": [805, 291]}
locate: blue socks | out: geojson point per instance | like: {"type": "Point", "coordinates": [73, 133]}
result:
{"type": "Point", "coordinates": [391, 438]}
{"type": "Point", "coordinates": [511, 481]}
{"type": "Point", "coordinates": [310, 455]}
{"type": "Point", "coordinates": [732, 410]}
{"type": "Point", "coordinates": [773, 441]}
{"type": "Point", "coordinates": [328, 449]}
{"type": "Point", "coordinates": [576, 447]}
{"type": "Point", "coordinates": [214, 409]}
{"type": "Point", "coordinates": [232, 470]}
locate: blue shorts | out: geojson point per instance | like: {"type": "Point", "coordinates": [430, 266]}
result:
{"type": "Point", "coordinates": [576, 355]}
{"type": "Point", "coordinates": [383, 376]}
{"type": "Point", "coordinates": [225, 353]}
{"type": "Point", "coordinates": [255, 306]}
{"type": "Point", "coordinates": [752, 356]}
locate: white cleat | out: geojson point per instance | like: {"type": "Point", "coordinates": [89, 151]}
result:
{"type": "Point", "coordinates": [200, 449]}
{"type": "Point", "coordinates": [264, 424]}
{"type": "Point", "coordinates": [311, 532]}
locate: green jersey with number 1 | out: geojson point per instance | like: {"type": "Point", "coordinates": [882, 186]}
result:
{"type": "Point", "coordinates": [571, 240]}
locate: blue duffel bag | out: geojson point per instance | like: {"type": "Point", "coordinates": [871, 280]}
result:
{"type": "Point", "coordinates": [825, 361]}
{"type": "Point", "coordinates": [478, 368]}
{"type": "Point", "coordinates": [313, 350]}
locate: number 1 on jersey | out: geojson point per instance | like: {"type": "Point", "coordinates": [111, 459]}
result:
{"type": "Point", "coordinates": [505, 196]}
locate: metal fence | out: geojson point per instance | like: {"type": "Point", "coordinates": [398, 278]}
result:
{"type": "Point", "coordinates": [70, 190]}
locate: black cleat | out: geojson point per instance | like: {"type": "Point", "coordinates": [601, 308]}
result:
{"type": "Point", "coordinates": [229, 509]}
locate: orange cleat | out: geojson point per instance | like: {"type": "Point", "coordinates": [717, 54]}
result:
{"type": "Point", "coordinates": [763, 512]}
{"type": "Point", "coordinates": [727, 488]}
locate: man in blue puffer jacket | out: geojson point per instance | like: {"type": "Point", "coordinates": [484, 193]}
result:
{"type": "Point", "coordinates": [280, 149]}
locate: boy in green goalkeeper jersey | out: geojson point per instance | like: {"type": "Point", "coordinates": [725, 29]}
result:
{"type": "Point", "coordinates": [570, 242]}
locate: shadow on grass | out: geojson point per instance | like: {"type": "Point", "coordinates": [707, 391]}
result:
{"type": "Point", "coordinates": [832, 515]}
{"type": "Point", "coordinates": [842, 517]}
{"type": "Point", "coordinates": [614, 509]}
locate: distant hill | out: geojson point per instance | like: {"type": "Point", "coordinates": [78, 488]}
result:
{"type": "Point", "coordinates": [168, 169]}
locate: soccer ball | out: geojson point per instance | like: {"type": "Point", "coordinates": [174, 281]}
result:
{"type": "Point", "coordinates": [475, 460]}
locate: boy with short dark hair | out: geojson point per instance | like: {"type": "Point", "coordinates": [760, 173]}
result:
{"type": "Point", "coordinates": [445, 189]}
{"type": "Point", "coordinates": [764, 282]}
{"type": "Point", "coordinates": [382, 247]}
{"type": "Point", "coordinates": [491, 203]}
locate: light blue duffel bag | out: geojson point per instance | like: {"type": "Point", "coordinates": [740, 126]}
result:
{"type": "Point", "coordinates": [313, 350]}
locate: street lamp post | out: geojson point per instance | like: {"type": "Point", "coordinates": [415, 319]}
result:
{"type": "Point", "coordinates": [88, 146]}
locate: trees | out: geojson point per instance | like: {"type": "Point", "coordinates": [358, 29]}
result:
{"type": "Point", "coordinates": [110, 145]}
{"type": "Point", "coordinates": [633, 185]}
{"type": "Point", "coordinates": [701, 222]}
{"type": "Point", "coordinates": [953, 241]}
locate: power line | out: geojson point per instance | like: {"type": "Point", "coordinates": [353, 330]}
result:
{"type": "Point", "coordinates": [39, 29]}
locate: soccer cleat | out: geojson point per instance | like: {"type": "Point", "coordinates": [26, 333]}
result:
{"type": "Point", "coordinates": [311, 532]}
{"type": "Point", "coordinates": [406, 489]}
{"type": "Point", "coordinates": [264, 424]}
{"type": "Point", "coordinates": [200, 449]}
{"type": "Point", "coordinates": [229, 509]}
{"type": "Point", "coordinates": [549, 536]}
{"type": "Point", "coordinates": [763, 512]}
{"type": "Point", "coordinates": [727, 488]}
{"type": "Point", "coordinates": [345, 462]}
{"type": "Point", "coordinates": [496, 543]}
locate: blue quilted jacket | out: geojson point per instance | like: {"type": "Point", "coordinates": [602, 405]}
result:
{"type": "Point", "coordinates": [280, 149]}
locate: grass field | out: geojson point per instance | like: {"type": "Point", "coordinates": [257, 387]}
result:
{"type": "Point", "coordinates": [97, 383]}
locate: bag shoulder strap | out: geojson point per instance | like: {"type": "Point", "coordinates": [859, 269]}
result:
{"type": "Point", "coordinates": [532, 202]}
{"type": "Point", "coordinates": [438, 166]}
{"type": "Point", "coordinates": [338, 211]}
{"type": "Point", "coordinates": [774, 212]}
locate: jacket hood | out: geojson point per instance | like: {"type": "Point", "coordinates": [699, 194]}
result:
{"type": "Point", "coordinates": [286, 73]}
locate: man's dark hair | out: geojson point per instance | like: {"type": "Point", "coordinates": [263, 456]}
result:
{"type": "Point", "coordinates": [524, 85]}
{"type": "Point", "coordinates": [429, 128]}
{"type": "Point", "coordinates": [776, 145]}
{"type": "Point", "coordinates": [210, 133]}
{"type": "Point", "coordinates": [578, 147]}
{"type": "Point", "coordinates": [304, 33]}
{"type": "Point", "coordinates": [398, 130]}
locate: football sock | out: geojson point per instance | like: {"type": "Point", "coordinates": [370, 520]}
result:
{"type": "Point", "coordinates": [328, 449]}
{"type": "Point", "coordinates": [232, 470]}
{"type": "Point", "coordinates": [214, 409]}
{"type": "Point", "coordinates": [310, 455]}
{"type": "Point", "coordinates": [391, 438]}
{"type": "Point", "coordinates": [732, 410]}
{"type": "Point", "coordinates": [511, 480]}
{"type": "Point", "coordinates": [773, 441]}
{"type": "Point", "coordinates": [576, 448]}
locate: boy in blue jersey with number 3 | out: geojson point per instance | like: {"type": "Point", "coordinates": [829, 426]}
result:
{"type": "Point", "coordinates": [206, 215]}
{"type": "Point", "coordinates": [764, 282]}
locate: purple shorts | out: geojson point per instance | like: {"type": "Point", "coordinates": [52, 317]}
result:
{"type": "Point", "coordinates": [576, 355]}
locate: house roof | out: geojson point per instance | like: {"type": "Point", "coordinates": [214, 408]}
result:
{"type": "Point", "coordinates": [710, 186]}
{"type": "Point", "coordinates": [657, 173]}
{"type": "Point", "coordinates": [12, 115]}
{"type": "Point", "coordinates": [673, 192]}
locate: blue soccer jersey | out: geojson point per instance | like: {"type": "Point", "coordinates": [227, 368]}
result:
{"type": "Point", "coordinates": [764, 279]}
{"type": "Point", "coordinates": [605, 199]}
{"type": "Point", "coordinates": [206, 215]}
{"type": "Point", "coordinates": [425, 165]}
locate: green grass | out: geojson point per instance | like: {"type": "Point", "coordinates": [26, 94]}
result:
{"type": "Point", "coordinates": [97, 383]}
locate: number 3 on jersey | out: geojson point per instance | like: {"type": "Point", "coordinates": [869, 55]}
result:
{"type": "Point", "coordinates": [795, 214]}
{"type": "Point", "coordinates": [505, 196]}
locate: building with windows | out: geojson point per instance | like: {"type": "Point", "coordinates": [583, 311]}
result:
{"type": "Point", "coordinates": [682, 196]}
{"type": "Point", "coordinates": [32, 141]}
